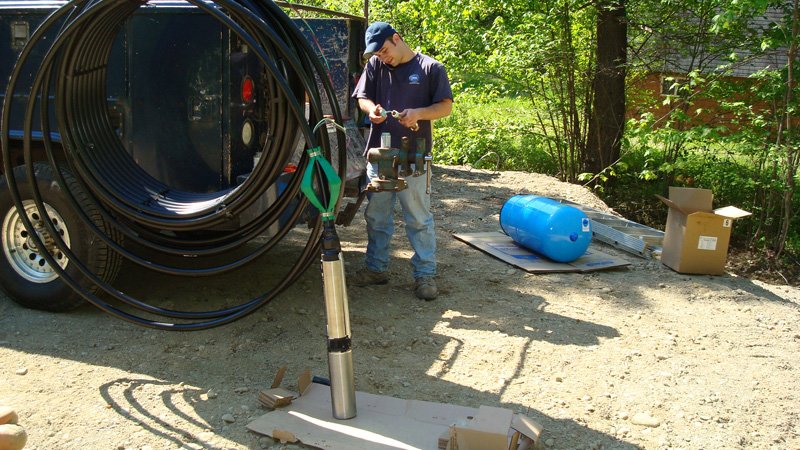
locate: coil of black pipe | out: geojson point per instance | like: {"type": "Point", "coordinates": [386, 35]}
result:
{"type": "Point", "coordinates": [134, 207]}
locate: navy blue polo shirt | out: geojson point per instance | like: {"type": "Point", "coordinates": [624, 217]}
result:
{"type": "Point", "coordinates": [417, 83]}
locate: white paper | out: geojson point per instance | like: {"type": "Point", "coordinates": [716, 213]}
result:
{"type": "Point", "coordinates": [707, 243]}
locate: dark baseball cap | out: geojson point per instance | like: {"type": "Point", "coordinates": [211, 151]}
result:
{"type": "Point", "coordinates": [376, 35]}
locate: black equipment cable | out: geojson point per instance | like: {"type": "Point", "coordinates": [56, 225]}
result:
{"type": "Point", "coordinates": [137, 208]}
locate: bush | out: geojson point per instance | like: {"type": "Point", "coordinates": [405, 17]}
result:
{"type": "Point", "coordinates": [495, 132]}
{"type": "Point", "coordinates": [723, 167]}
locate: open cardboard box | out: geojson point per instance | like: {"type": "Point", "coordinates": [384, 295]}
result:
{"type": "Point", "coordinates": [696, 237]}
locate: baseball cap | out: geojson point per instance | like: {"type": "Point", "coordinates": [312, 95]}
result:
{"type": "Point", "coordinates": [376, 35]}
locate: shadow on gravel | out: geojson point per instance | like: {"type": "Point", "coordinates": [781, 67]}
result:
{"type": "Point", "coordinates": [402, 347]}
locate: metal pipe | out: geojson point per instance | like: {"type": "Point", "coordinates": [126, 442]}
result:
{"type": "Point", "coordinates": [428, 164]}
{"type": "Point", "coordinates": [340, 353]}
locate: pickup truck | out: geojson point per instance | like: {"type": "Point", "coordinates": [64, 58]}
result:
{"type": "Point", "coordinates": [166, 134]}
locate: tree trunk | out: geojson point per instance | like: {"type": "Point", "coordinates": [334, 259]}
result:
{"type": "Point", "coordinates": [608, 116]}
{"type": "Point", "coordinates": [789, 142]}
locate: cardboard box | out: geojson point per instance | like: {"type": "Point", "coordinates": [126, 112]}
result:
{"type": "Point", "coordinates": [696, 237]}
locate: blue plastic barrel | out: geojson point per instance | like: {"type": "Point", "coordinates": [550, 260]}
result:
{"type": "Point", "coordinates": [555, 230]}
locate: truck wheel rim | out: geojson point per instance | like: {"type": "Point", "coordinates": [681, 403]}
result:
{"type": "Point", "coordinates": [21, 250]}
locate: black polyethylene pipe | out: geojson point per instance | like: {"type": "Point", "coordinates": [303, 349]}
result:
{"type": "Point", "coordinates": [135, 206]}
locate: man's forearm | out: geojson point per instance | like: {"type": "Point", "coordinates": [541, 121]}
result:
{"type": "Point", "coordinates": [435, 111]}
{"type": "Point", "coordinates": [366, 105]}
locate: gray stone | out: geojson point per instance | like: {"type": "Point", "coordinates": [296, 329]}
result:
{"type": "Point", "coordinates": [645, 420]}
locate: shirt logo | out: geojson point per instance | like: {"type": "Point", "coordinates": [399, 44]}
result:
{"type": "Point", "coordinates": [413, 78]}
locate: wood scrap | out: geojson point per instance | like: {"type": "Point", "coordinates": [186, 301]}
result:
{"type": "Point", "coordinates": [8, 415]}
{"type": "Point", "coordinates": [444, 438]}
{"type": "Point", "coordinates": [304, 380]}
{"type": "Point", "coordinates": [12, 437]}
{"type": "Point", "coordinates": [284, 436]}
{"type": "Point", "coordinates": [527, 427]}
{"type": "Point", "coordinates": [514, 441]}
{"type": "Point", "coordinates": [453, 444]}
{"type": "Point", "coordinates": [276, 397]}
{"type": "Point", "coordinates": [279, 377]}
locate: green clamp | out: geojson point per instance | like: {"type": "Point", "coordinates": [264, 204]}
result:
{"type": "Point", "coordinates": [334, 183]}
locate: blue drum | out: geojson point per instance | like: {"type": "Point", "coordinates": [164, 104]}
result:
{"type": "Point", "coordinates": [550, 228]}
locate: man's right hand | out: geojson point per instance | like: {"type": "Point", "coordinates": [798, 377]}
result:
{"type": "Point", "coordinates": [376, 114]}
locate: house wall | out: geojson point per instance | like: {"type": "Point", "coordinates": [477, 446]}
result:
{"type": "Point", "coordinates": [646, 96]}
{"type": "Point", "coordinates": [645, 93]}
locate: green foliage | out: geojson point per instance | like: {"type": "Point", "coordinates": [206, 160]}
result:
{"type": "Point", "coordinates": [615, 171]}
{"type": "Point", "coordinates": [354, 7]}
{"type": "Point", "coordinates": [538, 50]}
{"type": "Point", "coordinates": [494, 133]}
{"type": "Point", "coordinates": [738, 165]}
{"type": "Point", "coordinates": [720, 165]}
{"type": "Point", "coordinates": [522, 74]}
{"type": "Point", "coordinates": [547, 55]}
{"type": "Point", "coordinates": [742, 142]}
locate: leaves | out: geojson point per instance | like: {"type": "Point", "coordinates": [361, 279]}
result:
{"type": "Point", "coordinates": [522, 70]}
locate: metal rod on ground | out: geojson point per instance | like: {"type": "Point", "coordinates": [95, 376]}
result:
{"type": "Point", "coordinates": [340, 353]}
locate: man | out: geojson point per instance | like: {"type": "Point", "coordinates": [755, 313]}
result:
{"type": "Point", "coordinates": [396, 78]}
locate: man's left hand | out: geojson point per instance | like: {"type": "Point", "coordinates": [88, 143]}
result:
{"type": "Point", "coordinates": [409, 118]}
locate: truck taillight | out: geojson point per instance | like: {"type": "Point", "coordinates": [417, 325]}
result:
{"type": "Point", "coordinates": [248, 89]}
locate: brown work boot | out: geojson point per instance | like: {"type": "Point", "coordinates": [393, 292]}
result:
{"type": "Point", "coordinates": [425, 288]}
{"type": "Point", "coordinates": [366, 277]}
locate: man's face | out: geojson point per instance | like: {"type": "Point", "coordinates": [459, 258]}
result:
{"type": "Point", "coordinates": [389, 52]}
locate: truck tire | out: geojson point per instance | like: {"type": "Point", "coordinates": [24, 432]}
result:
{"type": "Point", "coordinates": [25, 275]}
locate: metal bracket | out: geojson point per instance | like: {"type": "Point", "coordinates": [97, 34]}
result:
{"type": "Point", "coordinates": [20, 34]}
{"type": "Point", "coordinates": [622, 233]}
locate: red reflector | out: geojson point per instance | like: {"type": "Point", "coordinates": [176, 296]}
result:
{"type": "Point", "coordinates": [290, 168]}
{"type": "Point", "coordinates": [248, 88]}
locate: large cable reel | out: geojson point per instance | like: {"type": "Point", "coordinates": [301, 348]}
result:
{"type": "Point", "coordinates": [139, 218]}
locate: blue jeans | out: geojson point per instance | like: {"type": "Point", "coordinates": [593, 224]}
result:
{"type": "Point", "coordinates": [417, 214]}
